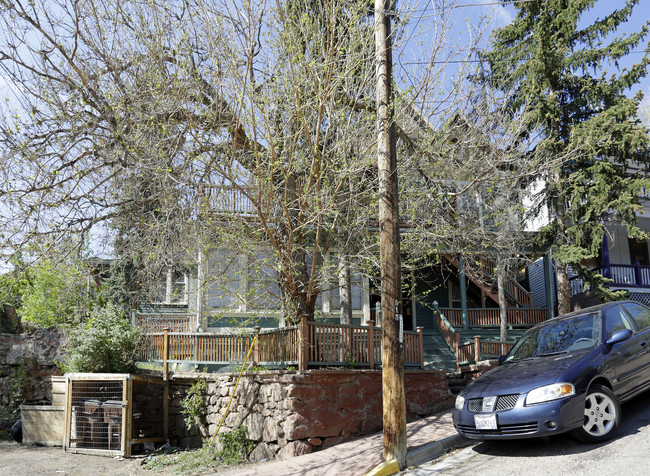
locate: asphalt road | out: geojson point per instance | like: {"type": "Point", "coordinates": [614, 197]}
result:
{"type": "Point", "coordinates": [626, 455]}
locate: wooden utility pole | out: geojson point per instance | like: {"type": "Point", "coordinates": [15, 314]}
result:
{"type": "Point", "coordinates": [392, 354]}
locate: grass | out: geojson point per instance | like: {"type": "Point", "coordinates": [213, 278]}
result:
{"type": "Point", "coordinates": [185, 462]}
{"type": "Point", "coordinates": [235, 448]}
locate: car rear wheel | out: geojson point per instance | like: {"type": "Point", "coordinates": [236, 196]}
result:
{"type": "Point", "coordinates": [602, 415]}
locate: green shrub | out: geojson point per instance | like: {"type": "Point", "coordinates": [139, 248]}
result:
{"type": "Point", "coordinates": [193, 406]}
{"type": "Point", "coordinates": [15, 391]}
{"type": "Point", "coordinates": [235, 447]}
{"type": "Point", "coordinates": [105, 343]}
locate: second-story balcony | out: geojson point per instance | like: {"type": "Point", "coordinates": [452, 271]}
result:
{"type": "Point", "coordinates": [623, 276]}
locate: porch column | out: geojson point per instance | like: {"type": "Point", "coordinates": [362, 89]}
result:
{"type": "Point", "coordinates": [547, 284]}
{"type": "Point", "coordinates": [463, 291]}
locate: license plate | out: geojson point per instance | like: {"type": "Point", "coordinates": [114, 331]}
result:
{"type": "Point", "coordinates": [485, 422]}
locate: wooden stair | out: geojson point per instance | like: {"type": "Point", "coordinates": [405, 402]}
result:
{"type": "Point", "coordinates": [516, 296]}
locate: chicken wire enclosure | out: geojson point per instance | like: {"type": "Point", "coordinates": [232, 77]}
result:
{"type": "Point", "coordinates": [107, 414]}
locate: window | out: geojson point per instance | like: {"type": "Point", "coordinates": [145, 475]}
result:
{"type": "Point", "coordinates": [173, 290]}
{"type": "Point", "coordinates": [263, 288]}
{"type": "Point", "coordinates": [223, 280]}
{"type": "Point", "coordinates": [616, 320]}
{"type": "Point", "coordinates": [178, 288]}
{"type": "Point", "coordinates": [639, 313]}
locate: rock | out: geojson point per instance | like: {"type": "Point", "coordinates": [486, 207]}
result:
{"type": "Point", "coordinates": [16, 431]}
{"type": "Point", "coordinates": [262, 452]}
{"type": "Point", "coordinates": [295, 448]}
{"type": "Point", "coordinates": [255, 426]}
{"type": "Point", "coordinates": [316, 421]}
{"type": "Point", "coordinates": [271, 429]}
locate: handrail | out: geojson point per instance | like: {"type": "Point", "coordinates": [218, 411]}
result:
{"type": "Point", "coordinates": [515, 291]}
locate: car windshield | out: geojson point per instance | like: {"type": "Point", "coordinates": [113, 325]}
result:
{"type": "Point", "coordinates": [562, 336]}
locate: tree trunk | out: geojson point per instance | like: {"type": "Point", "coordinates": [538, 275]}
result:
{"type": "Point", "coordinates": [563, 288]}
{"type": "Point", "coordinates": [563, 284]}
{"type": "Point", "coordinates": [503, 305]}
{"type": "Point", "coordinates": [345, 290]}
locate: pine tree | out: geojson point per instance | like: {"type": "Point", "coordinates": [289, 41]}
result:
{"type": "Point", "coordinates": [558, 69]}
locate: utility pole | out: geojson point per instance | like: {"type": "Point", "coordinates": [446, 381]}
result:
{"type": "Point", "coordinates": [392, 354]}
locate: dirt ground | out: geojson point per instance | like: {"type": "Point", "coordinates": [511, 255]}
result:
{"type": "Point", "coordinates": [28, 460]}
{"type": "Point", "coordinates": [22, 460]}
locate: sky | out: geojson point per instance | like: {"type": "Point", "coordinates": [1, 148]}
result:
{"type": "Point", "coordinates": [504, 14]}
{"type": "Point", "coordinates": [473, 10]}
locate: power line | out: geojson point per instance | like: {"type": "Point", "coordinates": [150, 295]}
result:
{"type": "Point", "coordinates": [511, 2]}
{"type": "Point", "coordinates": [420, 63]}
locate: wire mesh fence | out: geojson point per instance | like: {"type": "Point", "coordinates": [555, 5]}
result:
{"type": "Point", "coordinates": [109, 413]}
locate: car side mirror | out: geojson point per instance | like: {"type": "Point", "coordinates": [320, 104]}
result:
{"type": "Point", "coordinates": [619, 336]}
{"type": "Point", "coordinates": [502, 359]}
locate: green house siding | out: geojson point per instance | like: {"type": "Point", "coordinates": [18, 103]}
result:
{"type": "Point", "coordinates": [428, 290]}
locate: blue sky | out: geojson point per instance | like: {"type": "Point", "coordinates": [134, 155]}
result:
{"type": "Point", "coordinates": [502, 15]}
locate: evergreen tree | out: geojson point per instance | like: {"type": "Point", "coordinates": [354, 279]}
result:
{"type": "Point", "coordinates": [558, 70]}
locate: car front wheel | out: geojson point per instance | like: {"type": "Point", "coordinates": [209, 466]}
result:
{"type": "Point", "coordinates": [602, 415]}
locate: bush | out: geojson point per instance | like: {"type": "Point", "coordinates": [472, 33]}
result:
{"type": "Point", "coordinates": [105, 343]}
{"type": "Point", "coordinates": [235, 447]}
{"type": "Point", "coordinates": [193, 406]}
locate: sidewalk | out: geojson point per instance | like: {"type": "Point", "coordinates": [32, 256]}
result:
{"type": "Point", "coordinates": [426, 439]}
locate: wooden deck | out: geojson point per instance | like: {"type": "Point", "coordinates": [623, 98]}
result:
{"type": "Point", "coordinates": [307, 345]}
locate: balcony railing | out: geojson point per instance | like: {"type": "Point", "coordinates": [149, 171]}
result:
{"type": "Point", "coordinates": [156, 322]}
{"type": "Point", "coordinates": [622, 275]}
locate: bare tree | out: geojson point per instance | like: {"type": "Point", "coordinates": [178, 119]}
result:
{"type": "Point", "coordinates": [154, 116]}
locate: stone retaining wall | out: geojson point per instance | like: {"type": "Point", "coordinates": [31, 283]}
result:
{"type": "Point", "coordinates": [290, 413]}
{"type": "Point", "coordinates": [26, 363]}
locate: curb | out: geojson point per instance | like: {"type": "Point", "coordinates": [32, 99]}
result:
{"type": "Point", "coordinates": [384, 469]}
{"type": "Point", "coordinates": [421, 454]}
{"type": "Point", "coordinates": [430, 451]}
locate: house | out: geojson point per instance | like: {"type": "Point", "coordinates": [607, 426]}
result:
{"type": "Point", "coordinates": [227, 286]}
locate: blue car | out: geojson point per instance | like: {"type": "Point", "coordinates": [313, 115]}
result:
{"type": "Point", "coordinates": [569, 373]}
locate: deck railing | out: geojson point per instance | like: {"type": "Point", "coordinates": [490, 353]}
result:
{"type": "Point", "coordinates": [153, 323]}
{"type": "Point", "coordinates": [195, 346]}
{"type": "Point", "coordinates": [485, 276]}
{"type": "Point", "coordinates": [516, 316]}
{"type": "Point", "coordinates": [626, 275]}
{"type": "Point", "coordinates": [477, 349]}
{"type": "Point", "coordinates": [308, 344]}
{"type": "Point", "coordinates": [482, 350]}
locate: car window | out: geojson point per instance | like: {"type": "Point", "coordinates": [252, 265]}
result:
{"type": "Point", "coordinates": [639, 313]}
{"type": "Point", "coordinates": [563, 335]}
{"type": "Point", "coordinates": [616, 319]}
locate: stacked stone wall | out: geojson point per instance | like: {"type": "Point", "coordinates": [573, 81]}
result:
{"type": "Point", "coordinates": [27, 361]}
{"type": "Point", "coordinates": [291, 413]}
